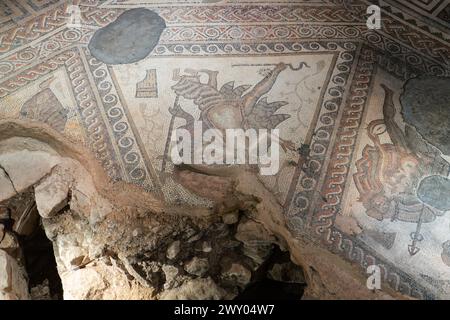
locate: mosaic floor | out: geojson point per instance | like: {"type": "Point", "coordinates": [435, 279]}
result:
{"type": "Point", "coordinates": [365, 113]}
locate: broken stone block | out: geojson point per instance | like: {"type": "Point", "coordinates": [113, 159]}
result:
{"type": "Point", "coordinates": [128, 39]}
{"type": "Point", "coordinates": [6, 188]}
{"type": "Point", "coordinates": [197, 266]}
{"type": "Point", "coordinates": [51, 195]}
{"type": "Point", "coordinates": [8, 241]}
{"type": "Point", "coordinates": [25, 168]}
{"type": "Point", "coordinates": [445, 255]}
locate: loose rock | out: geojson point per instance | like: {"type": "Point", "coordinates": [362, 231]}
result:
{"type": "Point", "coordinates": [51, 195]}
{"type": "Point", "coordinates": [206, 247]}
{"type": "Point", "coordinates": [230, 218]}
{"type": "Point", "coordinates": [197, 266]}
{"type": "Point", "coordinates": [173, 250]}
{"type": "Point", "coordinates": [195, 289]}
{"type": "Point", "coordinates": [237, 274]}
{"type": "Point", "coordinates": [170, 273]}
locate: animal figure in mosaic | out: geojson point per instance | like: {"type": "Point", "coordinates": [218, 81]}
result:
{"type": "Point", "coordinates": [231, 107]}
{"type": "Point", "coordinates": [388, 174]}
